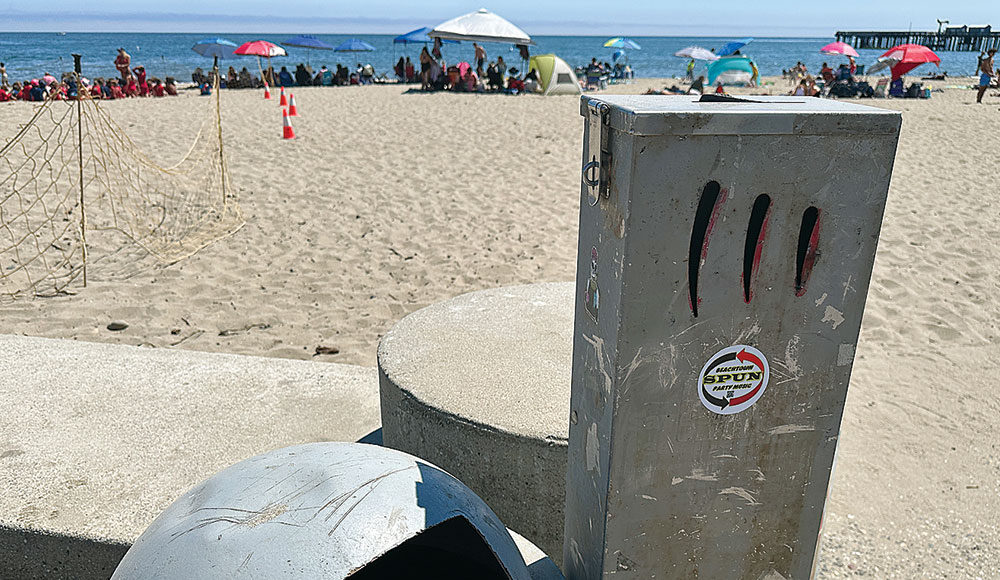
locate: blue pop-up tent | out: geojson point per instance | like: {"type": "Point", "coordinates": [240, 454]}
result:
{"type": "Point", "coordinates": [419, 36]}
{"type": "Point", "coordinates": [730, 69]}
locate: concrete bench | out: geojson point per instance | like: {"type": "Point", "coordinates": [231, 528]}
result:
{"type": "Point", "coordinates": [98, 439]}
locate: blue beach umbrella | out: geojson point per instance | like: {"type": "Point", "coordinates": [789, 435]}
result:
{"type": "Point", "coordinates": [419, 36]}
{"type": "Point", "coordinates": [622, 42]}
{"type": "Point", "coordinates": [731, 47]}
{"type": "Point", "coordinates": [307, 41]}
{"type": "Point", "coordinates": [354, 45]}
{"type": "Point", "coordinates": [215, 47]}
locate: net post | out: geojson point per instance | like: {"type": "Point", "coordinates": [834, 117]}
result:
{"type": "Point", "coordinates": [78, 70]}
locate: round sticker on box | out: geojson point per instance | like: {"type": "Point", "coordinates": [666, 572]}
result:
{"type": "Point", "coordinates": [733, 379]}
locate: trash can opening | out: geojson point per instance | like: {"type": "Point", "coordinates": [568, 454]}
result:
{"type": "Point", "coordinates": [451, 549]}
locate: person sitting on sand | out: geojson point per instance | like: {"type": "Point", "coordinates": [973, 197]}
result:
{"type": "Point", "coordinates": [531, 84]}
{"type": "Point", "coordinates": [698, 86]}
{"type": "Point", "coordinates": [400, 70]}
{"type": "Point", "coordinates": [302, 75]}
{"type": "Point", "coordinates": [206, 89]}
{"type": "Point", "coordinates": [827, 73]}
{"type": "Point", "coordinates": [140, 80]}
{"type": "Point", "coordinates": [158, 89]}
{"type": "Point", "coordinates": [367, 74]}
{"type": "Point", "coordinates": [97, 89]}
{"type": "Point", "coordinates": [170, 86]}
{"type": "Point", "coordinates": [116, 90]}
{"type": "Point", "coordinates": [131, 87]}
{"type": "Point", "coordinates": [718, 88]}
{"type": "Point", "coordinates": [515, 85]}
{"type": "Point", "coordinates": [800, 89]}
{"type": "Point", "coordinates": [232, 78]}
{"type": "Point", "coordinates": [56, 91]}
{"type": "Point", "coordinates": [811, 89]}
{"type": "Point", "coordinates": [470, 81]}
{"type": "Point", "coordinates": [410, 73]}
{"type": "Point", "coordinates": [285, 77]}
{"type": "Point", "coordinates": [246, 79]}
{"type": "Point", "coordinates": [37, 91]}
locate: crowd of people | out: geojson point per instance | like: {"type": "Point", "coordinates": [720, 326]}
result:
{"type": "Point", "coordinates": [133, 82]}
{"type": "Point", "coordinates": [436, 74]}
{"type": "Point", "coordinates": [302, 76]}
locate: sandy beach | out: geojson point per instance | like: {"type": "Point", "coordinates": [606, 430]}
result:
{"type": "Point", "coordinates": [390, 200]}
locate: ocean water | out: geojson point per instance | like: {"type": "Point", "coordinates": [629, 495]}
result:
{"type": "Point", "coordinates": [30, 55]}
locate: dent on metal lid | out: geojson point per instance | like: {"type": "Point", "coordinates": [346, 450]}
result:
{"type": "Point", "coordinates": [750, 115]}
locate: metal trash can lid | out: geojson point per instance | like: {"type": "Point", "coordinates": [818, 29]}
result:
{"type": "Point", "coordinates": [325, 510]}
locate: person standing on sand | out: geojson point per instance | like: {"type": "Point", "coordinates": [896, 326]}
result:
{"type": "Point", "coordinates": [690, 70]}
{"type": "Point", "coordinates": [986, 73]}
{"type": "Point", "coordinates": [425, 69]}
{"type": "Point", "coordinates": [123, 62]}
{"type": "Point", "coordinates": [480, 58]}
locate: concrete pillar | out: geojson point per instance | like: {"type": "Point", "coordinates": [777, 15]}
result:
{"type": "Point", "coordinates": [724, 266]}
{"type": "Point", "coordinates": [479, 385]}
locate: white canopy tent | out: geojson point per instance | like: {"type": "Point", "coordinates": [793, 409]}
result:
{"type": "Point", "coordinates": [480, 26]}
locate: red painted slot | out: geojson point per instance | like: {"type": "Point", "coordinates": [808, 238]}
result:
{"type": "Point", "coordinates": [807, 252]}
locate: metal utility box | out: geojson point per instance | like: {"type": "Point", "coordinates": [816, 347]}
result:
{"type": "Point", "coordinates": [724, 260]}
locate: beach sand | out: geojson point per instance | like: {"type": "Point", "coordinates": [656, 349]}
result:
{"type": "Point", "coordinates": [389, 201]}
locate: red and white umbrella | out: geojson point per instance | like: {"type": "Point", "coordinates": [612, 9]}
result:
{"type": "Point", "coordinates": [841, 48]}
{"type": "Point", "coordinates": [904, 58]}
{"type": "Point", "coordinates": [261, 48]}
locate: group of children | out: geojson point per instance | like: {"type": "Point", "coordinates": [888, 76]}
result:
{"type": "Point", "coordinates": [50, 88]}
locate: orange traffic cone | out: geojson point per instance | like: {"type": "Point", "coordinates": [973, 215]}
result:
{"type": "Point", "coordinates": [287, 131]}
{"type": "Point", "coordinates": [267, 93]}
{"type": "Point", "coordinates": [292, 111]}
{"type": "Point", "coordinates": [283, 102]}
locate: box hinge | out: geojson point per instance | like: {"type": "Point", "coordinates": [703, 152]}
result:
{"type": "Point", "coordinates": [597, 161]}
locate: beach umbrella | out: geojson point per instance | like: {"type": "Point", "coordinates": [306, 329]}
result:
{"type": "Point", "coordinates": [731, 47]}
{"type": "Point", "coordinates": [308, 42]}
{"type": "Point", "coordinates": [215, 47]}
{"type": "Point", "coordinates": [419, 35]}
{"type": "Point", "coordinates": [622, 42]}
{"type": "Point", "coordinates": [730, 69]}
{"type": "Point", "coordinates": [697, 53]}
{"type": "Point", "coordinates": [260, 48]}
{"type": "Point", "coordinates": [839, 48]}
{"type": "Point", "coordinates": [904, 58]}
{"type": "Point", "coordinates": [354, 45]}
{"type": "Point", "coordinates": [481, 26]}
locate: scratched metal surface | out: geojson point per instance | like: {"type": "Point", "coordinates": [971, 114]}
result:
{"type": "Point", "coordinates": [320, 510]}
{"type": "Point", "coordinates": [658, 484]}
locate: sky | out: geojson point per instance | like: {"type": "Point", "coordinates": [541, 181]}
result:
{"type": "Point", "coordinates": [789, 18]}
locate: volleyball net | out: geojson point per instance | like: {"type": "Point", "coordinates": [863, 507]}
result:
{"type": "Point", "coordinates": [79, 199]}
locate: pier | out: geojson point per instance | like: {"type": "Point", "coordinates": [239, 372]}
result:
{"type": "Point", "coordinates": [952, 38]}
